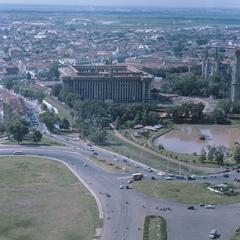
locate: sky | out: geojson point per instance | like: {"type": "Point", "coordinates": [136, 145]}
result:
{"type": "Point", "coordinates": [147, 3]}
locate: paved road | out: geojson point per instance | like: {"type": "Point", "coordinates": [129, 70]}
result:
{"type": "Point", "coordinates": [125, 220]}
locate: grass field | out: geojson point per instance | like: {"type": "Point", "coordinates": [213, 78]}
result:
{"type": "Point", "coordinates": [189, 193]}
{"type": "Point", "coordinates": [64, 111]}
{"type": "Point", "coordinates": [236, 237]}
{"type": "Point", "coordinates": [41, 199]}
{"type": "Point", "coordinates": [155, 228]}
{"type": "Point", "coordinates": [44, 141]}
{"type": "Point", "coordinates": [109, 166]}
{"type": "Point", "coordinates": [126, 149]}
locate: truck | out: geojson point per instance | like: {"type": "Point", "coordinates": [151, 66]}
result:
{"type": "Point", "coordinates": [137, 176]}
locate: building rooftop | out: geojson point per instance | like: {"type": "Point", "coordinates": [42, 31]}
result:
{"type": "Point", "coordinates": [102, 71]}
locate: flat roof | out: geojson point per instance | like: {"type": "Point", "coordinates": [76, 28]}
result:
{"type": "Point", "coordinates": [88, 71]}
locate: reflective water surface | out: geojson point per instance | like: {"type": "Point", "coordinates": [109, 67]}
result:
{"type": "Point", "coordinates": [186, 138]}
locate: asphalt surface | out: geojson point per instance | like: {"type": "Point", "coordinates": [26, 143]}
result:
{"type": "Point", "coordinates": [125, 210]}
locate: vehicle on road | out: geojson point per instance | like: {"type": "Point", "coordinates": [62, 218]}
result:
{"type": "Point", "coordinates": [210, 207]}
{"type": "Point", "coordinates": [169, 178]}
{"type": "Point", "coordinates": [180, 177]}
{"type": "Point", "coordinates": [191, 208]}
{"type": "Point", "coordinates": [121, 187]}
{"type": "Point", "coordinates": [136, 166]}
{"type": "Point", "coordinates": [18, 153]}
{"type": "Point", "coordinates": [213, 234]}
{"type": "Point", "coordinates": [148, 169]}
{"type": "Point", "coordinates": [85, 165]}
{"type": "Point", "coordinates": [137, 176]}
{"type": "Point", "coordinates": [161, 174]}
{"type": "Point", "coordinates": [107, 195]}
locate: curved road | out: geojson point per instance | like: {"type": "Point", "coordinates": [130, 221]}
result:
{"type": "Point", "coordinates": [125, 210]}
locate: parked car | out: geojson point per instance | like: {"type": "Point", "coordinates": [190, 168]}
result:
{"type": "Point", "coordinates": [191, 208]}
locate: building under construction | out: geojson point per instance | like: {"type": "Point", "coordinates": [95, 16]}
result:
{"type": "Point", "coordinates": [120, 83]}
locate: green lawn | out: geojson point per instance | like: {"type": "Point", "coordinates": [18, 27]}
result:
{"type": "Point", "coordinates": [189, 193]}
{"type": "Point", "coordinates": [126, 149]}
{"type": "Point", "coordinates": [108, 165]}
{"type": "Point", "coordinates": [42, 199]}
{"type": "Point", "coordinates": [155, 228]}
{"type": "Point", "coordinates": [64, 111]}
{"type": "Point", "coordinates": [44, 141]}
{"type": "Point", "coordinates": [236, 237]}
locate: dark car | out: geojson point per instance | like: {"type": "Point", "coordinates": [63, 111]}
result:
{"type": "Point", "coordinates": [107, 195]}
{"type": "Point", "coordinates": [191, 208]}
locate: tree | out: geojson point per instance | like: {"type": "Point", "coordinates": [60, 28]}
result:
{"type": "Point", "coordinates": [2, 129]}
{"type": "Point", "coordinates": [53, 71]}
{"type": "Point", "coordinates": [64, 124]}
{"type": "Point", "coordinates": [8, 84]}
{"type": "Point", "coordinates": [18, 128]}
{"type": "Point", "coordinates": [211, 153]}
{"type": "Point", "coordinates": [224, 105]}
{"type": "Point", "coordinates": [56, 89]}
{"type": "Point", "coordinates": [215, 154]}
{"type": "Point", "coordinates": [202, 157]}
{"type": "Point", "coordinates": [98, 136]}
{"type": "Point", "coordinates": [72, 115]}
{"type": "Point", "coordinates": [50, 119]}
{"type": "Point", "coordinates": [219, 157]}
{"type": "Point", "coordinates": [236, 154]}
{"type": "Point", "coordinates": [218, 117]}
{"type": "Point", "coordinates": [36, 136]}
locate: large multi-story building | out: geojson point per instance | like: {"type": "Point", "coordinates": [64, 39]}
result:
{"type": "Point", "coordinates": [120, 83]}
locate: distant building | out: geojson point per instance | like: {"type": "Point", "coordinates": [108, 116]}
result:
{"type": "Point", "coordinates": [120, 83]}
{"type": "Point", "coordinates": [210, 66]}
{"type": "Point", "coordinates": [235, 86]}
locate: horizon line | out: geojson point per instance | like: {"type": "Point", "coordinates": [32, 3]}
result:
{"type": "Point", "coordinates": [119, 6]}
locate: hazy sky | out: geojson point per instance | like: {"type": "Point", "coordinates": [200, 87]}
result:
{"type": "Point", "coordinates": [150, 3]}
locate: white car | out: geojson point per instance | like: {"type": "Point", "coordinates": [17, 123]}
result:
{"type": "Point", "coordinates": [213, 234]}
{"type": "Point", "coordinates": [169, 178]}
{"type": "Point", "coordinates": [161, 174]}
{"type": "Point", "coordinates": [210, 207]}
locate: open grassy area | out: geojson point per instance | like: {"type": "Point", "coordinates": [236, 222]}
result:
{"type": "Point", "coordinates": [189, 193]}
{"type": "Point", "coordinates": [108, 165]}
{"type": "Point", "coordinates": [141, 155]}
{"type": "Point", "coordinates": [64, 111]}
{"type": "Point", "coordinates": [236, 237]}
{"type": "Point", "coordinates": [42, 199]}
{"type": "Point", "coordinates": [155, 228]}
{"type": "Point", "coordinates": [44, 141]}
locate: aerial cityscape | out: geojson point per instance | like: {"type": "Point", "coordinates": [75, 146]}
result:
{"type": "Point", "coordinates": [120, 121]}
